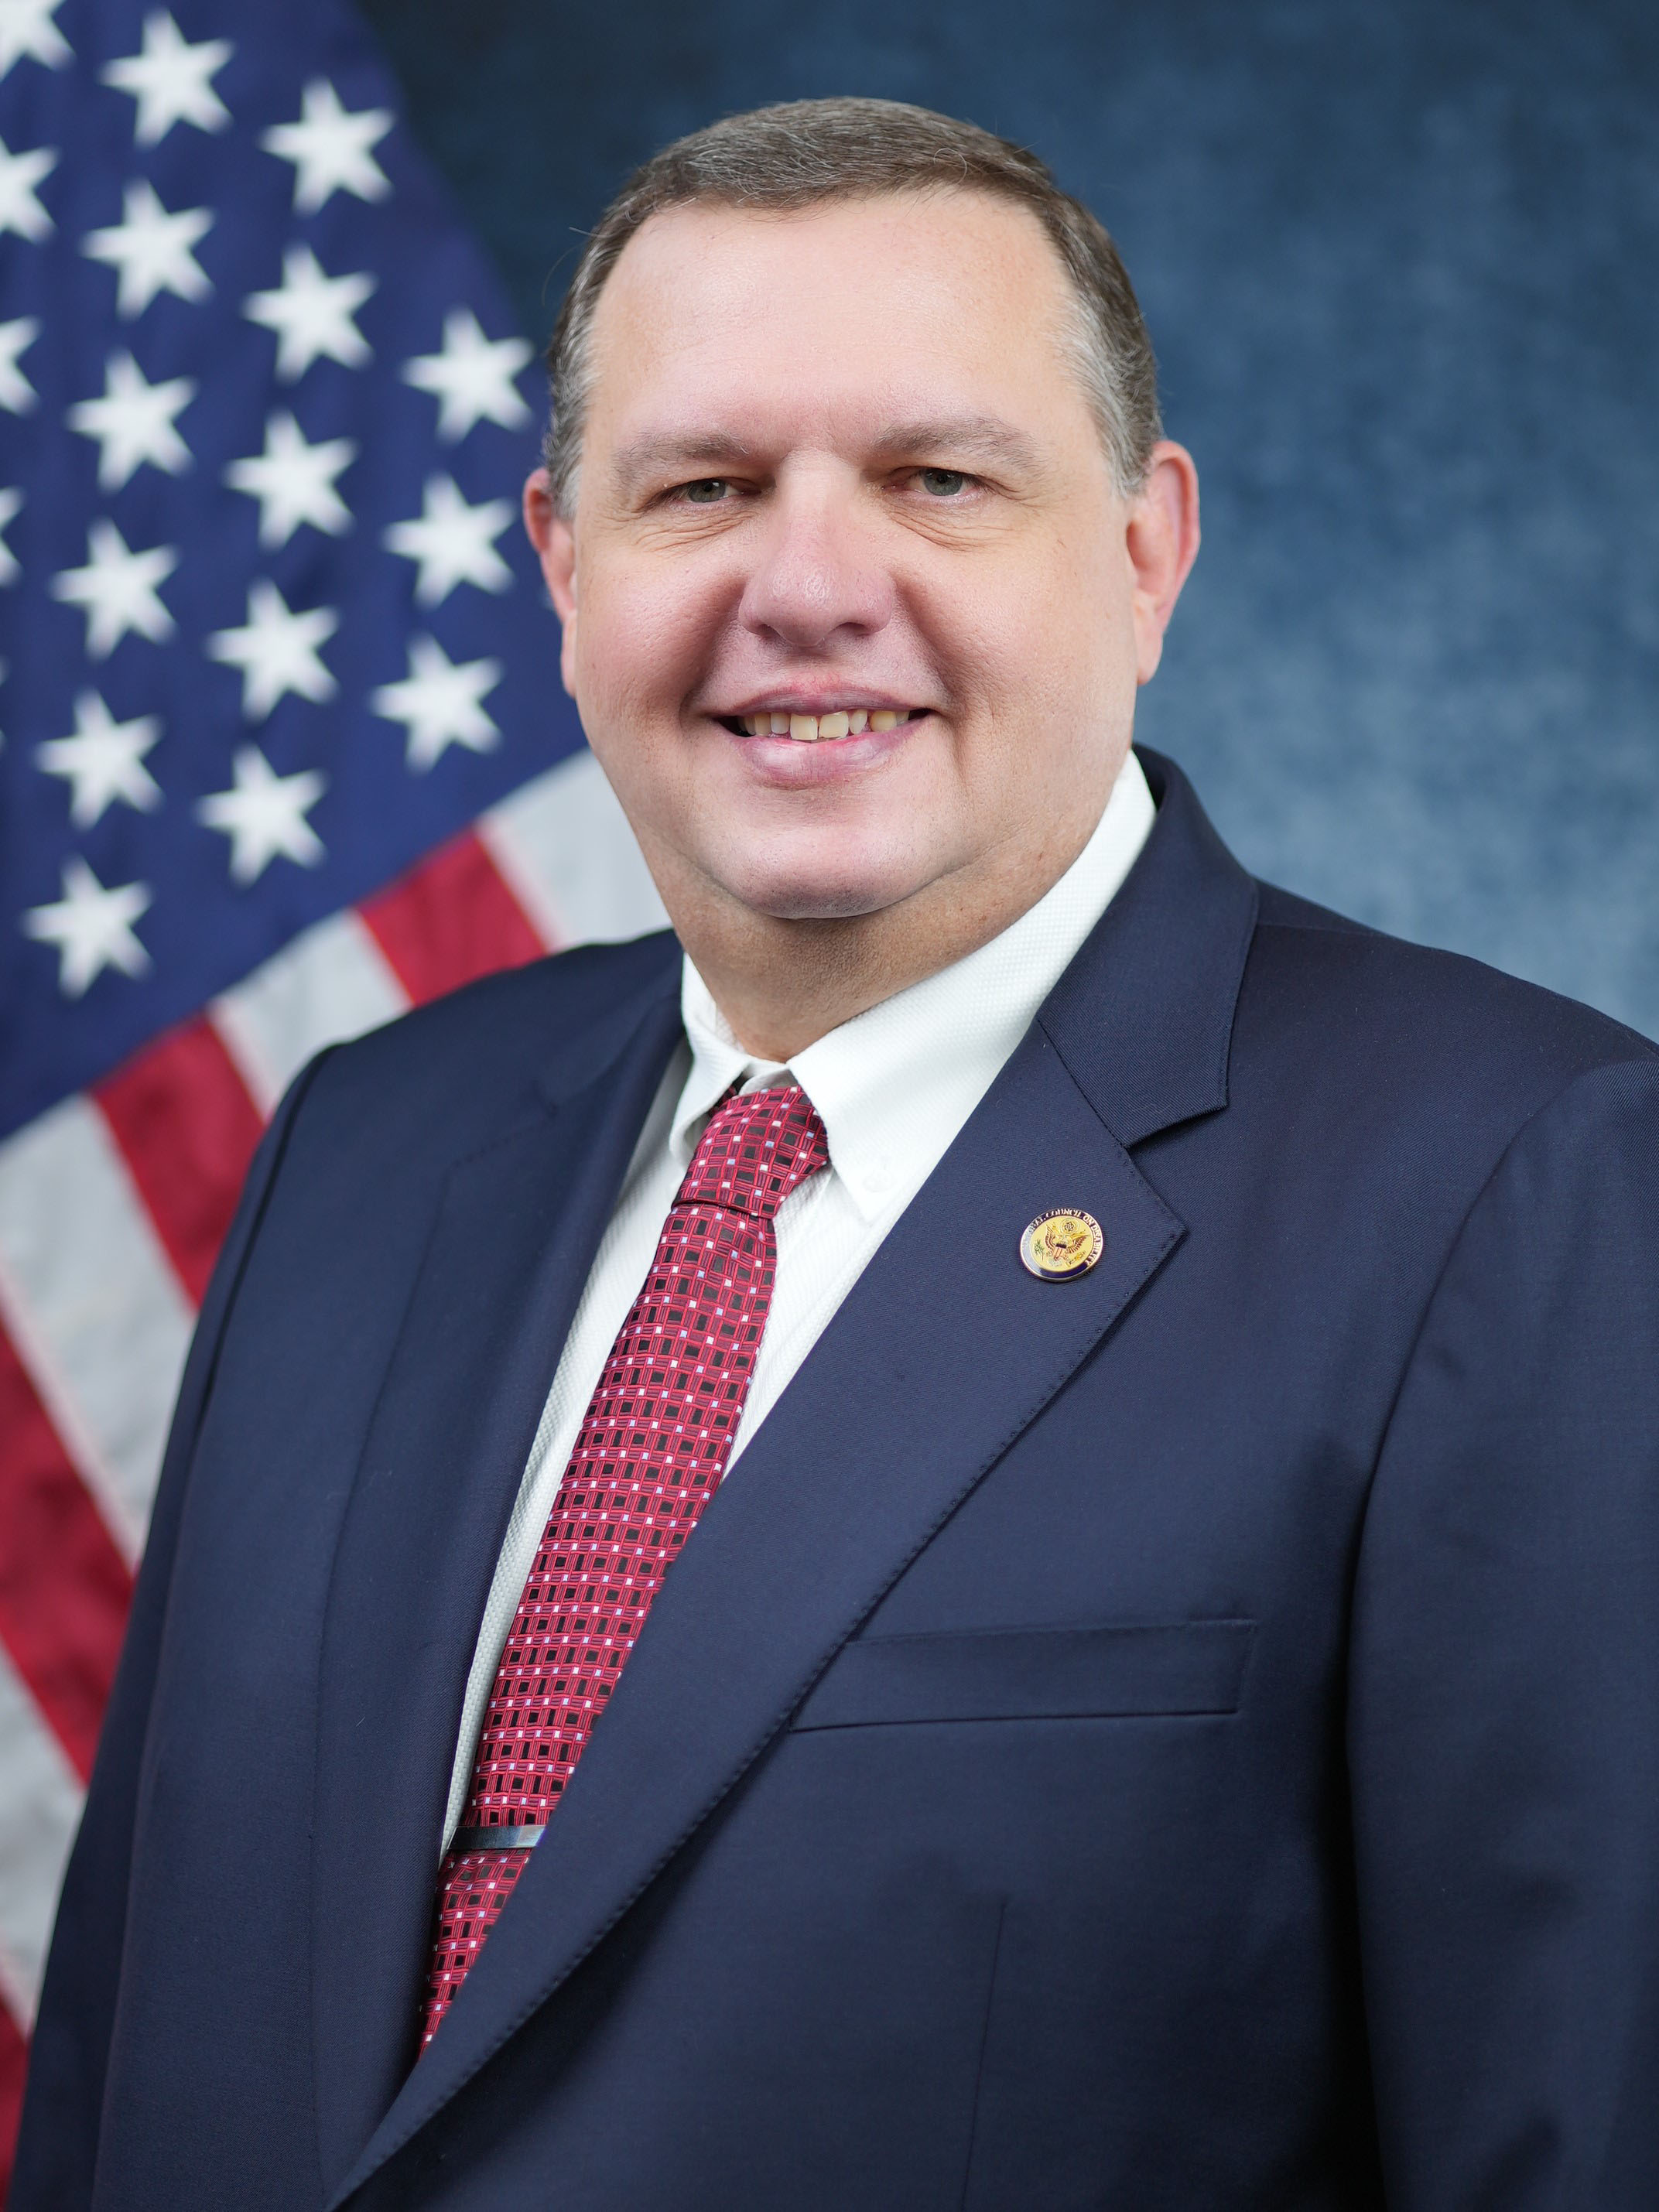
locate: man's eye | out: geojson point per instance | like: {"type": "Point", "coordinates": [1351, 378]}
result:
{"type": "Point", "coordinates": [707, 492]}
{"type": "Point", "coordinates": [944, 483]}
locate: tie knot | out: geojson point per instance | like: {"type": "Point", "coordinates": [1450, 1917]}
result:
{"type": "Point", "coordinates": [755, 1150]}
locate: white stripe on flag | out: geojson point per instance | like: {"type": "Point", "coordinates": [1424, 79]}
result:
{"type": "Point", "coordinates": [39, 1807]}
{"type": "Point", "coordinates": [331, 983]}
{"type": "Point", "coordinates": [564, 846]}
{"type": "Point", "coordinates": [92, 1303]}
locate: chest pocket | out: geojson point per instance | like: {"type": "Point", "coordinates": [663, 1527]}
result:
{"type": "Point", "coordinates": [1188, 1667]}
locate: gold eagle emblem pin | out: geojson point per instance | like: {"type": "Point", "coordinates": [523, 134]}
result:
{"type": "Point", "coordinates": [1061, 1244]}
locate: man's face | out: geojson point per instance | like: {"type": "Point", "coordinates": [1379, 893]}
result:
{"type": "Point", "coordinates": [839, 476]}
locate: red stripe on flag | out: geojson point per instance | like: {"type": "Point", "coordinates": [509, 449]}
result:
{"type": "Point", "coordinates": [65, 1588]}
{"type": "Point", "coordinates": [14, 2064]}
{"type": "Point", "coordinates": [449, 921]}
{"type": "Point", "coordinates": [186, 1126]}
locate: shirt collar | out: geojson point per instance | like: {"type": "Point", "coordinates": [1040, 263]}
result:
{"type": "Point", "coordinates": [894, 1086]}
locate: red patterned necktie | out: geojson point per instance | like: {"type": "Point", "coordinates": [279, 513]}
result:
{"type": "Point", "coordinates": [650, 1454]}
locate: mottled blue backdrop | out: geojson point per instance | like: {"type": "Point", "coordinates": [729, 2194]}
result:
{"type": "Point", "coordinates": [1401, 266]}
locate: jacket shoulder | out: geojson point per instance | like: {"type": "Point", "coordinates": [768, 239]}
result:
{"type": "Point", "coordinates": [1459, 1037]}
{"type": "Point", "coordinates": [464, 1057]}
{"type": "Point", "coordinates": [1282, 909]}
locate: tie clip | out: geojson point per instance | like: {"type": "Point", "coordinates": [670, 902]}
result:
{"type": "Point", "coordinates": [498, 1839]}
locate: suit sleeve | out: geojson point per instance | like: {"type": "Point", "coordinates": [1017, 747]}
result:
{"type": "Point", "coordinates": [58, 2145]}
{"type": "Point", "coordinates": [1503, 1707]}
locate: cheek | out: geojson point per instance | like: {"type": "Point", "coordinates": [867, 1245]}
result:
{"type": "Point", "coordinates": [1017, 655]}
{"type": "Point", "coordinates": [1069, 642]}
{"type": "Point", "coordinates": [643, 638]}
{"type": "Point", "coordinates": [1042, 674]}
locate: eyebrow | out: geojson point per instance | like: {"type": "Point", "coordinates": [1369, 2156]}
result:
{"type": "Point", "coordinates": [967, 437]}
{"type": "Point", "coordinates": [634, 465]}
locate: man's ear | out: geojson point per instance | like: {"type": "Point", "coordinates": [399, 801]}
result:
{"type": "Point", "coordinates": [1161, 541]}
{"type": "Point", "coordinates": [555, 548]}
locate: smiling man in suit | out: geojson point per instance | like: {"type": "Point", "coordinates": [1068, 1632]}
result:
{"type": "Point", "coordinates": [984, 1532]}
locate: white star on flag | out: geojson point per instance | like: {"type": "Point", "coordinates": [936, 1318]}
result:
{"type": "Point", "coordinates": [454, 543]}
{"type": "Point", "coordinates": [152, 250]}
{"type": "Point", "coordinates": [117, 589]}
{"type": "Point", "coordinates": [471, 376]}
{"type": "Point", "coordinates": [330, 150]}
{"type": "Point", "coordinates": [19, 206]}
{"type": "Point", "coordinates": [17, 394]}
{"type": "Point", "coordinates": [91, 927]}
{"type": "Point", "coordinates": [103, 760]}
{"type": "Point", "coordinates": [439, 703]}
{"type": "Point", "coordinates": [310, 313]}
{"type": "Point", "coordinates": [171, 80]}
{"type": "Point", "coordinates": [263, 815]}
{"type": "Point", "coordinates": [133, 422]}
{"type": "Point", "coordinates": [10, 501]}
{"type": "Point", "coordinates": [26, 29]}
{"type": "Point", "coordinates": [276, 650]}
{"type": "Point", "coordinates": [294, 483]}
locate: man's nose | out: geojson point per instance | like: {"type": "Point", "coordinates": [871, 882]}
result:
{"type": "Point", "coordinates": [816, 573]}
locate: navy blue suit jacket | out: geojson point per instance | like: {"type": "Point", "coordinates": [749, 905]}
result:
{"type": "Point", "coordinates": [1186, 1737]}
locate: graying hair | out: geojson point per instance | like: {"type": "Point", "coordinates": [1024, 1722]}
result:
{"type": "Point", "coordinates": [807, 152]}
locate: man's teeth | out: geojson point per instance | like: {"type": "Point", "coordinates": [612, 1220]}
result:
{"type": "Point", "coordinates": [807, 729]}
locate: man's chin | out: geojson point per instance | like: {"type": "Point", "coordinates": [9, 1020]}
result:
{"type": "Point", "coordinates": [814, 902]}
{"type": "Point", "coordinates": [819, 894]}
{"type": "Point", "coordinates": [785, 876]}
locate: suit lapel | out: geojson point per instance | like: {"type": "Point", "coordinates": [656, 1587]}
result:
{"type": "Point", "coordinates": [1143, 1015]}
{"type": "Point", "coordinates": [946, 1350]}
{"type": "Point", "coordinates": [513, 1237]}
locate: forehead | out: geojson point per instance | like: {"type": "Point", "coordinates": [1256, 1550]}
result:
{"type": "Point", "coordinates": [900, 305]}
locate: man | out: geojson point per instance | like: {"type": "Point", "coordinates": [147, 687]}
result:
{"type": "Point", "coordinates": [990, 1540]}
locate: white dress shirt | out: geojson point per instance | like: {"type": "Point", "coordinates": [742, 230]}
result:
{"type": "Point", "coordinates": [892, 1087]}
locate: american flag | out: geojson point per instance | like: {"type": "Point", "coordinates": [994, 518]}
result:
{"type": "Point", "coordinates": [283, 748]}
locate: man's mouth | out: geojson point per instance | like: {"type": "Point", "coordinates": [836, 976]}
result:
{"type": "Point", "coordinates": [809, 729]}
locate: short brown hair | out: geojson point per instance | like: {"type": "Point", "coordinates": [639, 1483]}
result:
{"type": "Point", "coordinates": [806, 152]}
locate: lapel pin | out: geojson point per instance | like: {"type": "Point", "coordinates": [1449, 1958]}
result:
{"type": "Point", "coordinates": [1062, 1243]}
